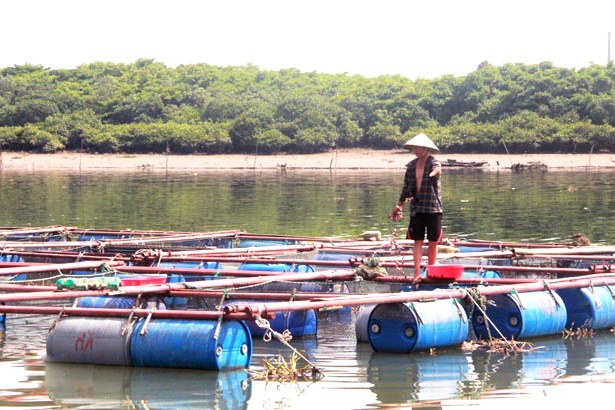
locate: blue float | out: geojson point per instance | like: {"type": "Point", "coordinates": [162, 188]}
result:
{"type": "Point", "coordinates": [35, 237]}
{"type": "Point", "coordinates": [589, 308]}
{"type": "Point", "coordinates": [521, 315]}
{"type": "Point", "coordinates": [405, 327]}
{"type": "Point", "coordinates": [250, 243]}
{"type": "Point", "coordinates": [482, 274]}
{"type": "Point", "coordinates": [336, 256]}
{"type": "Point", "coordinates": [191, 344]}
{"type": "Point", "coordinates": [276, 267]}
{"type": "Point", "coordinates": [174, 301]}
{"type": "Point", "coordinates": [170, 343]}
{"type": "Point", "coordinates": [11, 258]}
{"type": "Point", "coordinates": [93, 237]}
{"type": "Point", "coordinates": [120, 302]}
{"type": "Point", "coordinates": [192, 265]}
{"type": "Point", "coordinates": [14, 258]}
{"type": "Point", "coordinates": [300, 323]}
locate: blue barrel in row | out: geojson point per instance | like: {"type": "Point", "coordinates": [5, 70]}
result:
{"type": "Point", "coordinates": [35, 237]}
{"type": "Point", "coordinates": [250, 243]}
{"type": "Point", "coordinates": [14, 258]}
{"type": "Point", "coordinates": [120, 302]}
{"type": "Point", "coordinates": [276, 267]}
{"type": "Point", "coordinates": [406, 327]}
{"type": "Point", "coordinates": [300, 323]}
{"type": "Point", "coordinates": [521, 315]}
{"type": "Point", "coordinates": [191, 344]}
{"type": "Point", "coordinates": [336, 256]}
{"type": "Point", "coordinates": [192, 265]}
{"type": "Point", "coordinates": [170, 343]}
{"type": "Point", "coordinates": [174, 301]}
{"type": "Point", "coordinates": [589, 308]}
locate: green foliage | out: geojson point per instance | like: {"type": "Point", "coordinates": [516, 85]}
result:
{"type": "Point", "coordinates": [40, 140]}
{"type": "Point", "coordinates": [384, 136]}
{"type": "Point", "coordinates": [148, 107]}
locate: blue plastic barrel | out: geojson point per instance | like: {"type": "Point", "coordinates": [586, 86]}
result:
{"type": "Point", "coordinates": [589, 308]}
{"type": "Point", "coordinates": [249, 243]}
{"type": "Point", "coordinates": [100, 236]}
{"type": "Point", "coordinates": [191, 344]}
{"type": "Point", "coordinates": [119, 302]}
{"type": "Point", "coordinates": [35, 237]}
{"type": "Point", "coordinates": [193, 265]}
{"type": "Point", "coordinates": [521, 315]}
{"type": "Point", "coordinates": [275, 267]}
{"type": "Point", "coordinates": [405, 327]}
{"type": "Point", "coordinates": [90, 340]}
{"type": "Point", "coordinates": [173, 301]}
{"type": "Point", "coordinates": [336, 256]}
{"type": "Point", "coordinates": [300, 323]}
{"type": "Point", "coordinates": [475, 249]}
{"type": "Point", "coordinates": [483, 274]}
{"type": "Point", "coordinates": [14, 258]}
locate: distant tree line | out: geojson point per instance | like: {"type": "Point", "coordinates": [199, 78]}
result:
{"type": "Point", "coordinates": [147, 107]}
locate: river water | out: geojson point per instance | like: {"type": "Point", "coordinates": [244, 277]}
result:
{"type": "Point", "coordinates": [527, 206]}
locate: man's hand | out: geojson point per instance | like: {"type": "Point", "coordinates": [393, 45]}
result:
{"type": "Point", "coordinates": [396, 214]}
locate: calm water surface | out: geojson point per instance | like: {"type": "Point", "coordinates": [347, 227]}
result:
{"type": "Point", "coordinates": [496, 206]}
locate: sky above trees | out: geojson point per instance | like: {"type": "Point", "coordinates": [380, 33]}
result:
{"type": "Point", "coordinates": [370, 38]}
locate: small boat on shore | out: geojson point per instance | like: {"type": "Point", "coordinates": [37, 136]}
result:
{"type": "Point", "coordinates": [463, 164]}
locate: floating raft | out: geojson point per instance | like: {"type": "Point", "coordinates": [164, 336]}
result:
{"type": "Point", "coordinates": [197, 299]}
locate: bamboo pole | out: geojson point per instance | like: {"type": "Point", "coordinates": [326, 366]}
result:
{"type": "Point", "coordinates": [416, 296]}
{"type": "Point", "coordinates": [52, 267]}
{"type": "Point", "coordinates": [101, 312]}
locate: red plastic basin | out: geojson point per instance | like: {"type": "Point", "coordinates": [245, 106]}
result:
{"type": "Point", "coordinates": [444, 271]}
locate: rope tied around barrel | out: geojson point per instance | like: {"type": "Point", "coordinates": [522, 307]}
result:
{"type": "Point", "coordinates": [473, 294]}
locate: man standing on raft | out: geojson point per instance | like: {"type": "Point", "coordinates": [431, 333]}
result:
{"type": "Point", "coordinates": [422, 188]}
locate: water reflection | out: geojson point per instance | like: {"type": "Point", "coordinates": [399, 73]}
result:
{"type": "Point", "coordinates": [420, 376]}
{"type": "Point", "coordinates": [490, 205]}
{"type": "Point", "coordinates": [145, 388]}
{"type": "Point", "coordinates": [478, 205]}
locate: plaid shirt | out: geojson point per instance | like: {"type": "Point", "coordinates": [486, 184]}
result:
{"type": "Point", "coordinates": [429, 200]}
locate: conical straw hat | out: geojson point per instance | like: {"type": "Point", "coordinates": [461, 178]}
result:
{"type": "Point", "coordinates": [421, 140]}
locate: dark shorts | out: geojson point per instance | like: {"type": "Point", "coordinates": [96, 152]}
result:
{"type": "Point", "coordinates": [422, 224]}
